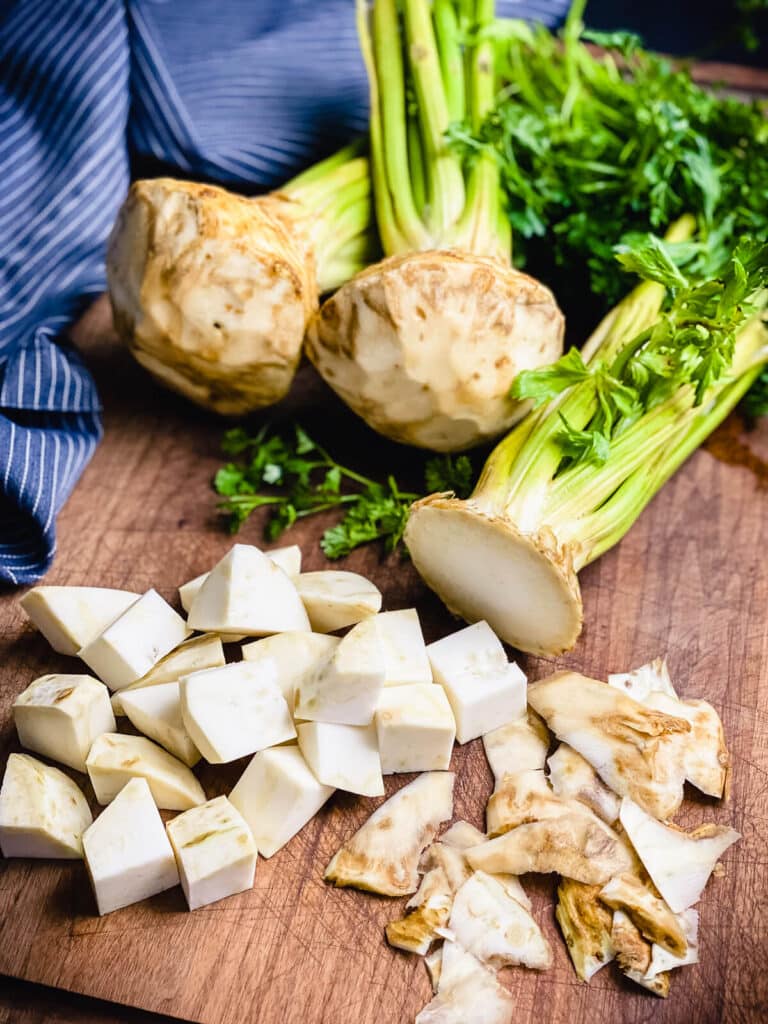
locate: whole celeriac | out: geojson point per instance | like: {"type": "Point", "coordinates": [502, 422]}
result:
{"type": "Point", "coordinates": [425, 345]}
{"type": "Point", "coordinates": [212, 291]}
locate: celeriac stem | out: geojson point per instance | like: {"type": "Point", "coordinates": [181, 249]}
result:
{"type": "Point", "coordinates": [445, 181]}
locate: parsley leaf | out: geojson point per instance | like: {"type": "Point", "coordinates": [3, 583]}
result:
{"type": "Point", "coordinates": [449, 473]}
{"type": "Point", "coordinates": [542, 385]}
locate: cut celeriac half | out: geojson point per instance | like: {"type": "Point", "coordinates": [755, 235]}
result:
{"type": "Point", "coordinates": [633, 955]}
{"type": "Point", "coordinates": [156, 712]}
{"type": "Point", "coordinates": [383, 855]}
{"type": "Point", "coordinates": [521, 797]}
{"type": "Point", "coordinates": [60, 716]}
{"type": "Point", "coordinates": [576, 844]}
{"type": "Point", "coordinates": [466, 991]}
{"type": "Point", "coordinates": [346, 688]}
{"type": "Point", "coordinates": [135, 642]}
{"type": "Point", "coordinates": [295, 657]}
{"type": "Point", "coordinates": [287, 558]}
{"type": "Point", "coordinates": [127, 851]}
{"type": "Point", "coordinates": [641, 682]}
{"type": "Point", "coordinates": [519, 745]}
{"type": "Point", "coordinates": [42, 811]}
{"type": "Point", "coordinates": [431, 908]}
{"type": "Point", "coordinates": [415, 728]}
{"type": "Point", "coordinates": [247, 593]}
{"type": "Point", "coordinates": [405, 653]}
{"type": "Point", "coordinates": [573, 777]}
{"type": "Point", "coordinates": [343, 756]}
{"type": "Point", "coordinates": [192, 656]}
{"type": "Point", "coordinates": [115, 759]}
{"type": "Point", "coordinates": [662, 960]}
{"type": "Point", "coordinates": [495, 928]}
{"type": "Point", "coordinates": [706, 760]}
{"type": "Point", "coordinates": [71, 617]}
{"type": "Point", "coordinates": [650, 914]}
{"type": "Point", "coordinates": [586, 926]}
{"type": "Point", "coordinates": [336, 599]}
{"type": "Point", "coordinates": [234, 711]}
{"type": "Point", "coordinates": [215, 852]}
{"type": "Point", "coordinates": [678, 862]}
{"type": "Point", "coordinates": [636, 751]}
{"type": "Point", "coordinates": [277, 795]}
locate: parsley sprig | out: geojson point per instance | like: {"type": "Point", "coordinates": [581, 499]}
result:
{"type": "Point", "coordinates": [295, 477]}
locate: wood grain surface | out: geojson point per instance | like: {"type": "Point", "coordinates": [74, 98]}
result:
{"type": "Point", "coordinates": [689, 581]}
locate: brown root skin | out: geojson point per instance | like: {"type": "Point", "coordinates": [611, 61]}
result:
{"type": "Point", "coordinates": [212, 291]}
{"type": "Point", "coordinates": [483, 567]}
{"type": "Point", "coordinates": [425, 346]}
{"type": "Point", "coordinates": [586, 926]}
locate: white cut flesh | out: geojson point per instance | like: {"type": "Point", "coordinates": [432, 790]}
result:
{"type": "Point", "coordinates": [573, 777]}
{"type": "Point", "coordinates": [71, 617]}
{"type": "Point", "coordinates": [383, 855]}
{"type": "Point", "coordinates": [42, 812]}
{"type": "Point", "coordinates": [343, 756]}
{"type": "Point", "coordinates": [636, 750]}
{"type": "Point", "coordinates": [59, 716]}
{"type": "Point", "coordinates": [115, 759]}
{"type": "Point", "coordinates": [641, 682]}
{"type": "Point", "coordinates": [127, 851]}
{"type": "Point", "coordinates": [462, 835]}
{"type": "Point", "coordinates": [346, 688]}
{"type": "Point", "coordinates": [495, 928]}
{"type": "Point", "coordinates": [475, 651]}
{"type": "Point", "coordinates": [433, 962]}
{"type": "Point", "coordinates": [135, 642]}
{"type": "Point", "coordinates": [287, 558]}
{"type": "Point", "coordinates": [484, 568]}
{"type": "Point", "coordinates": [336, 599]}
{"type": "Point", "coordinates": [415, 728]}
{"type": "Point", "coordinates": [479, 704]}
{"type": "Point", "coordinates": [156, 712]}
{"type": "Point", "coordinates": [663, 960]}
{"type": "Point", "coordinates": [247, 593]}
{"type": "Point", "coordinates": [466, 992]}
{"type": "Point", "coordinates": [405, 653]}
{"type": "Point", "coordinates": [679, 863]}
{"type": "Point", "coordinates": [215, 852]}
{"type": "Point", "coordinates": [192, 656]}
{"type": "Point", "coordinates": [294, 657]}
{"type": "Point", "coordinates": [234, 711]}
{"type": "Point", "coordinates": [519, 745]}
{"type": "Point", "coordinates": [277, 795]}
{"type": "Point", "coordinates": [450, 852]}
{"type": "Point", "coordinates": [576, 844]}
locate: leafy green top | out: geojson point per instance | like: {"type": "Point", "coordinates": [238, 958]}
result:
{"type": "Point", "coordinates": [301, 479]}
{"type": "Point", "coordinates": [595, 148]}
{"type": "Point", "coordinates": [691, 344]}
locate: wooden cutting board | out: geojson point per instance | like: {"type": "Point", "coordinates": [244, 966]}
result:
{"type": "Point", "coordinates": [690, 581]}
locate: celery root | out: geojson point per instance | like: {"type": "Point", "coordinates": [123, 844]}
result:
{"type": "Point", "coordinates": [425, 345]}
{"type": "Point", "coordinates": [212, 291]}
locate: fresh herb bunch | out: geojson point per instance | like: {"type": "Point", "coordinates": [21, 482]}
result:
{"type": "Point", "coordinates": [302, 478]}
{"type": "Point", "coordinates": [680, 356]}
{"type": "Point", "coordinates": [596, 148]}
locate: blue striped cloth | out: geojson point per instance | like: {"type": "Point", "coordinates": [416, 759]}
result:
{"type": "Point", "coordinates": [243, 92]}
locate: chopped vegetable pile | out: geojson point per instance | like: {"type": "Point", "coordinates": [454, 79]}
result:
{"type": "Point", "coordinates": [316, 712]}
